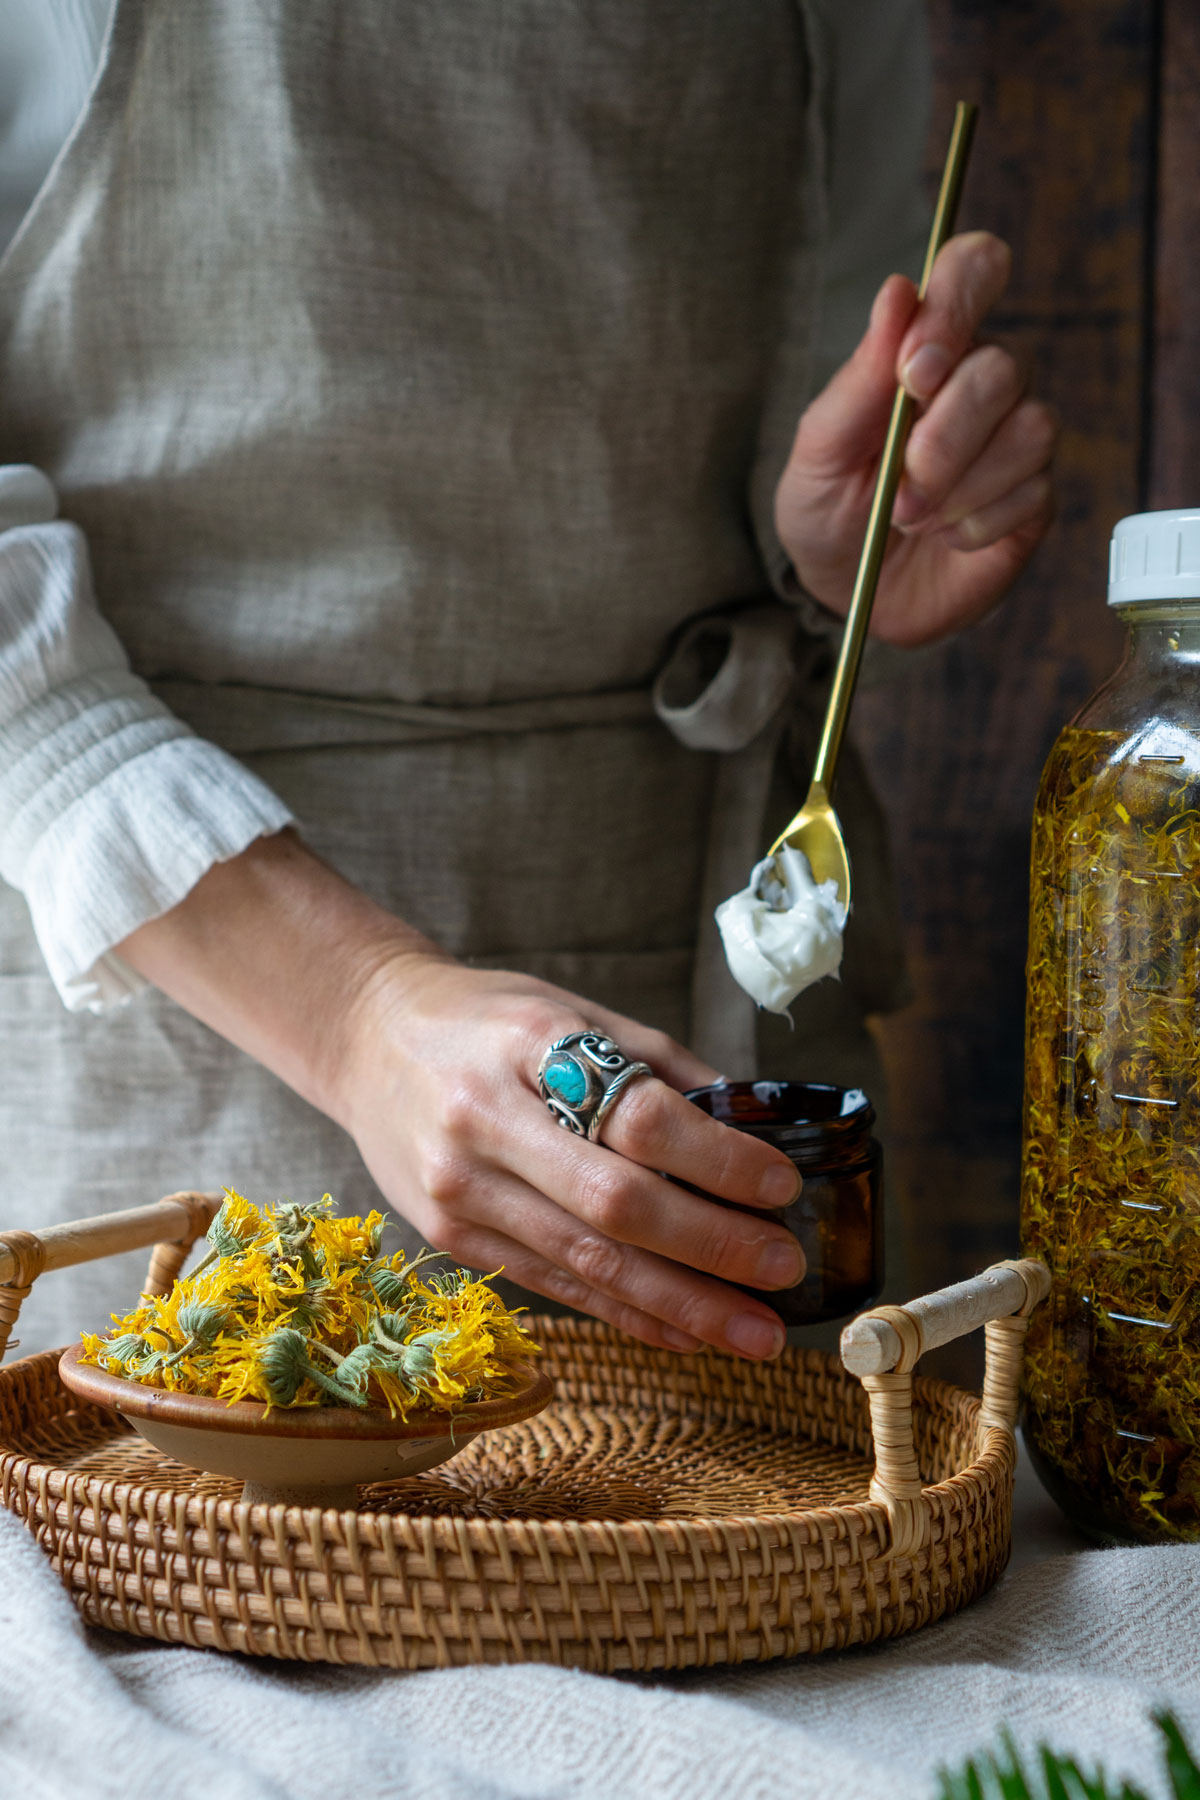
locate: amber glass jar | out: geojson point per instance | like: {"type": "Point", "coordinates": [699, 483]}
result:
{"type": "Point", "coordinates": [1111, 1178]}
{"type": "Point", "coordinates": [838, 1216]}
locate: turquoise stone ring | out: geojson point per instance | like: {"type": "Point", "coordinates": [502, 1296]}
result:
{"type": "Point", "coordinates": [581, 1078]}
{"type": "Point", "coordinates": [566, 1079]}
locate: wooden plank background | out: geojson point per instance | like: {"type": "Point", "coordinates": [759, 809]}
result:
{"type": "Point", "coordinates": [1086, 161]}
{"type": "Point", "coordinates": [1173, 433]}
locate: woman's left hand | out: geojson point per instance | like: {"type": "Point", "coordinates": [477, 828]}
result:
{"type": "Point", "coordinates": [977, 494]}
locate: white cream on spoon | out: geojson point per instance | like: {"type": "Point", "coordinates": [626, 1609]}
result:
{"type": "Point", "coordinates": [783, 931]}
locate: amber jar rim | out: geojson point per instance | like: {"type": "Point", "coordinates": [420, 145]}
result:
{"type": "Point", "coordinates": [792, 1114]}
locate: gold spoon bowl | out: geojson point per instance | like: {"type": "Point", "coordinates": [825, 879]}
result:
{"type": "Point", "coordinates": [817, 834]}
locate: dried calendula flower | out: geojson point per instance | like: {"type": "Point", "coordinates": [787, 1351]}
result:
{"type": "Point", "coordinates": [202, 1321]}
{"type": "Point", "coordinates": [284, 1365]}
{"type": "Point", "coordinates": [232, 1229]}
{"type": "Point", "coordinates": [295, 1307]}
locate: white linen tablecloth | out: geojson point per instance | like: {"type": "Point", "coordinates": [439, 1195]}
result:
{"type": "Point", "coordinates": [1075, 1645]}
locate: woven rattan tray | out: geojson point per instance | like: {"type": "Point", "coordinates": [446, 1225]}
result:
{"type": "Point", "coordinates": [663, 1512]}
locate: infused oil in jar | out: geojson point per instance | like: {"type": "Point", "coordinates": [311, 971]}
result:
{"type": "Point", "coordinates": [1111, 1167]}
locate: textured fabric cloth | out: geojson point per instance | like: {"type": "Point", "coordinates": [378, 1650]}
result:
{"type": "Point", "coordinates": [1075, 1648]}
{"type": "Point", "coordinates": [414, 375]}
{"type": "Point", "coordinates": [48, 55]}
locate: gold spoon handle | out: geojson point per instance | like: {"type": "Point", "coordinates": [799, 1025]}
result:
{"type": "Point", "coordinates": [888, 480]}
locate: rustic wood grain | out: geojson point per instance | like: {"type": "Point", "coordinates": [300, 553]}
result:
{"type": "Point", "coordinates": [1062, 168]}
{"type": "Point", "coordinates": [1173, 448]}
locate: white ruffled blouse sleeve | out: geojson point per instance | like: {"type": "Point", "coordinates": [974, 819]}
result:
{"type": "Point", "coordinates": [111, 809]}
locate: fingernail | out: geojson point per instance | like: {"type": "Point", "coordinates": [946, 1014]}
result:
{"type": "Point", "coordinates": [925, 370]}
{"type": "Point", "coordinates": [753, 1336]}
{"type": "Point", "coordinates": [679, 1340]}
{"type": "Point", "coordinates": [780, 1265]}
{"type": "Point", "coordinates": [779, 1186]}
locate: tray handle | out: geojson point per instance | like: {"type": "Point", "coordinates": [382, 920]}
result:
{"type": "Point", "coordinates": [171, 1225]}
{"type": "Point", "coordinates": [882, 1347]}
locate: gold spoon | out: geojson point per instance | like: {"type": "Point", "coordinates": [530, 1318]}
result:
{"type": "Point", "coordinates": [815, 829]}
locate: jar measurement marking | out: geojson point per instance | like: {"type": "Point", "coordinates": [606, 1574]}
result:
{"type": "Point", "coordinates": [1160, 759]}
{"type": "Point", "coordinates": [1147, 1100]}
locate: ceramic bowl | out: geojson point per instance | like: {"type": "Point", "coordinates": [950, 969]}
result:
{"type": "Point", "coordinates": [307, 1455]}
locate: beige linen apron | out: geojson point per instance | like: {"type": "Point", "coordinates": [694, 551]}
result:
{"type": "Point", "coordinates": [416, 370]}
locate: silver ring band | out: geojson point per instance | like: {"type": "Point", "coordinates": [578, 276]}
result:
{"type": "Point", "coordinates": [581, 1077]}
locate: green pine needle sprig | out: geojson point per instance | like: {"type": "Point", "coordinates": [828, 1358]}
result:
{"type": "Point", "coordinates": [1002, 1775]}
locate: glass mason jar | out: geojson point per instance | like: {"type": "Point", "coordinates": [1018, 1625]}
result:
{"type": "Point", "coordinates": [838, 1214]}
{"type": "Point", "coordinates": [1111, 1167]}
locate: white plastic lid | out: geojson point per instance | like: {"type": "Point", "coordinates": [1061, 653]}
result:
{"type": "Point", "coordinates": [1155, 556]}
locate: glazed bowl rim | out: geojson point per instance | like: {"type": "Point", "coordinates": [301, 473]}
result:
{"type": "Point", "coordinates": [138, 1400]}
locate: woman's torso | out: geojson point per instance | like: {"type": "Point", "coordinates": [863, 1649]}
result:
{"type": "Point", "coordinates": [414, 373]}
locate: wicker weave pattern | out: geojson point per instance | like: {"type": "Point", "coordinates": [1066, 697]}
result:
{"type": "Point", "coordinates": [708, 1511]}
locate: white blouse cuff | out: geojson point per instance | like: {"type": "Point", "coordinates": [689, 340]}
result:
{"type": "Point", "coordinates": [136, 810]}
{"type": "Point", "coordinates": [111, 809]}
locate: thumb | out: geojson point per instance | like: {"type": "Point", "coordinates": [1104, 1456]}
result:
{"type": "Point", "coordinates": [844, 427]}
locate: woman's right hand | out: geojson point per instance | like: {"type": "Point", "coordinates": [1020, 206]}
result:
{"type": "Point", "coordinates": [439, 1089]}
{"type": "Point", "coordinates": [432, 1067]}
